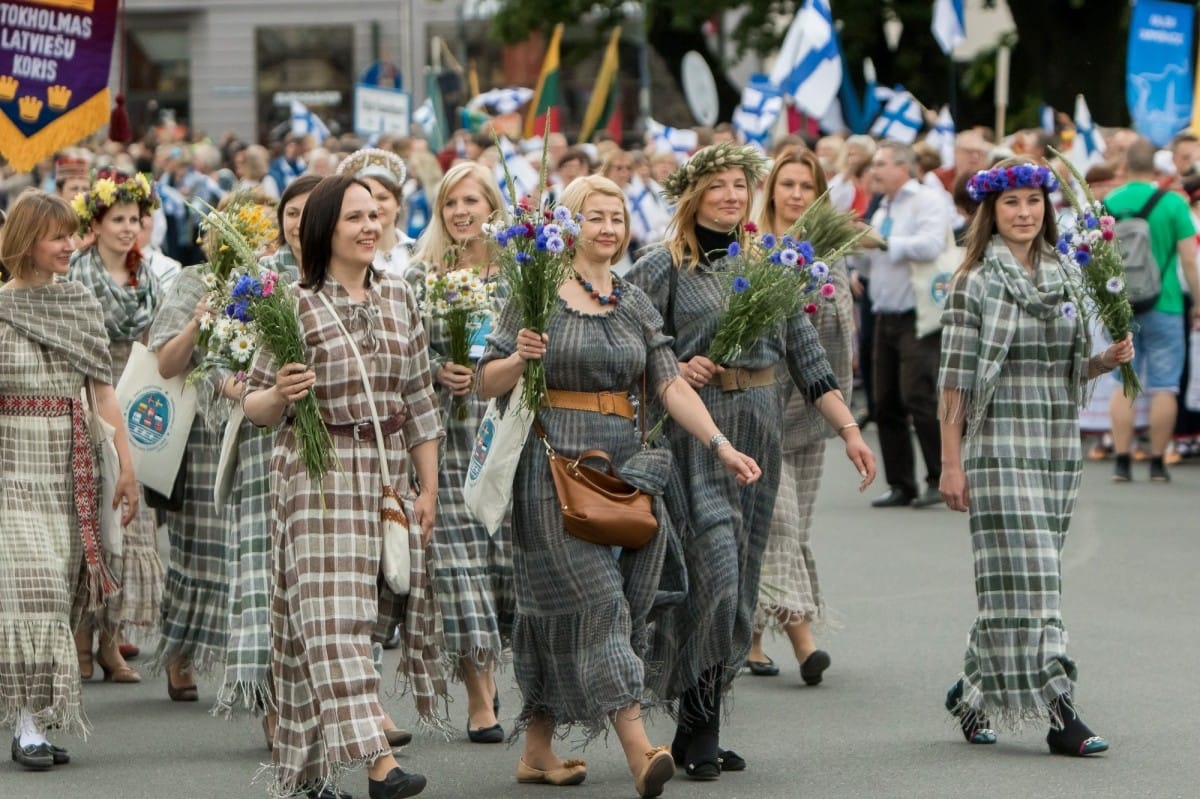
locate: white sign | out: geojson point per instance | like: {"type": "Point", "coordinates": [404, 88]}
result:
{"type": "Point", "coordinates": [315, 98]}
{"type": "Point", "coordinates": [379, 110]}
{"type": "Point", "coordinates": [700, 89]}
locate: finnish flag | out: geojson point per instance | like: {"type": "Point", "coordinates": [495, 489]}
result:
{"type": "Point", "coordinates": [808, 67]}
{"type": "Point", "coordinates": [681, 141]}
{"type": "Point", "coordinates": [901, 119]}
{"type": "Point", "coordinates": [306, 123]}
{"type": "Point", "coordinates": [1088, 147]}
{"type": "Point", "coordinates": [949, 25]}
{"type": "Point", "coordinates": [758, 112]}
{"type": "Point", "coordinates": [942, 136]}
{"type": "Point", "coordinates": [524, 177]}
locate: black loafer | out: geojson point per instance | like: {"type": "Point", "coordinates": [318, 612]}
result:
{"type": "Point", "coordinates": [35, 757]}
{"type": "Point", "coordinates": [486, 735]}
{"type": "Point", "coordinates": [760, 668]}
{"type": "Point", "coordinates": [730, 760]}
{"type": "Point", "coordinates": [895, 498]}
{"type": "Point", "coordinates": [397, 785]}
{"type": "Point", "coordinates": [814, 666]}
{"type": "Point", "coordinates": [930, 497]}
{"type": "Point", "coordinates": [60, 755]}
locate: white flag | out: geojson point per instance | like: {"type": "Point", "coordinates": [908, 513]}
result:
{"type": "Point", "coordinates": [755, 116]}
{"type": "Point", "coordinates": [942, 136]}
{"type": "Point", "coordinates": [949, 24]}
{"type": "Point", "coordinates": [1088, 147]}
{"type": "Point", "coordinates": [648, 216]}
{"type": "Point", "coordinates": [682, 141]}
{"type": "Point", "coordinates": [306, 123]}
{"type": "Point", "coordinates": [901, 119]}
{"type": "Point", "coordinates": [524, 176]}
{"type": "Point", "coordinates": [808, 67]}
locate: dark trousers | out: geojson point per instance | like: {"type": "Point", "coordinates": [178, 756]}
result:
{"type": "Point", "coordinates": [866, 343]}
{"type": "Point", "coordinates": [905, 388]}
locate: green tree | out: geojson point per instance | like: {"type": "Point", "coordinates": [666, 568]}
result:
{"type": "Point", "coordinates": [1062, 47]}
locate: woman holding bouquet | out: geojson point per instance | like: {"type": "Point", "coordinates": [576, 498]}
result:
{"type": "Point", "coordinates": [472, 571]}
{"type": "Point", "coordinates": [704, 641]}
{"type": "Point", "coordinates": [117, 274]}
{"type": "Point", "coordinates": [324, 607]}
{"type": "Point", "coordinates": [1015, 363]}
{"type": "Point", "coordinates": [580, 632]}
{"type": "Point", "coordinates": [53, 338]}
{"type": "Point", "coordinates": [794, 600]}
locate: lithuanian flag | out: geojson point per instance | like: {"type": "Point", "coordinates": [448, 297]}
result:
{"type": "Point", "coordinates": [603, 109]}
{"type": "Point", "coordinates": [545, 99]}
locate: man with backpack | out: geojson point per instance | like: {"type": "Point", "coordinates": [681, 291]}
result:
{"type": "Point", "coordinates": [1158, 243]}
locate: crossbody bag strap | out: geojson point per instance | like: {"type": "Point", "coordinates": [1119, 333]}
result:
{"type": "Point", "coordinates": [362, 373]}
{"type": "Point", "coordinates": [1148, 208]}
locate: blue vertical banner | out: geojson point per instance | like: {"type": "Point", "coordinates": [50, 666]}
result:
{"type": "Point", "coordinates": [1158, 69]}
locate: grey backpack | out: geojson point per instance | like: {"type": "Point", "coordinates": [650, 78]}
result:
{"type": "Point", "coordinates": [1143, 277]}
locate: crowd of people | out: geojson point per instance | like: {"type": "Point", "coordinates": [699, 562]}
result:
{"type": "Point", "coordinates": [274, 590]}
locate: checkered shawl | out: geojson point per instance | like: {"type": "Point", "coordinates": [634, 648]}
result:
{"type": "Point", "coordinates": [128, 311]}
{"type": "Point", "coordinates": [64, 317]}
{"type": "Point", "coordinates": [326, 543]}
{"type": "Point", "coordinates": [1016, 363]}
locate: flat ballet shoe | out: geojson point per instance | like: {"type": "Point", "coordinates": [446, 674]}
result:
{"type": "Point", "coordinates": [397, 737]}
{"type": "Point", "coordinates": [659, 768]}
{"type": "Point", "coordinates": [486, 735]}
{"type": "Point", "coordinates": [813, 667]}
{"type": "Point", "coordinates": [568, 772]}
{"type": "Point", "coordinates": [762, 668]}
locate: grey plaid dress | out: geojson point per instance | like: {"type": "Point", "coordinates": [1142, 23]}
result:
{"type": "Point", "coordinates": [579, 637]}
{"type": "Point", "coordinates": [724, 527]}
{"type": "Point", "coordinates": [195, 606]}
{"type": "Point", "coordinates": [247, 680]}
{"type": "Point", "coordinates": [326, 541]}
{"type": "Point", "coordinates": [472, 571]}
{"type": "Point", "coordinates": [1015, 361]}
{"type": "Point", "coordinates": [52, 339]}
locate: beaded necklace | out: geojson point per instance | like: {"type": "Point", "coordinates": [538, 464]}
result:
{"type": "Point", "coordinates": [609, 299]}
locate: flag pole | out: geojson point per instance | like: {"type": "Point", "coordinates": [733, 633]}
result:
{"type": "Point", "coordinates": [1002, 69]}
{"type": "Point", "coordinates": [953, 87]}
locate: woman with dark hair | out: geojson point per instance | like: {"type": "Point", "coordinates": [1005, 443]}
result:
{"type": "Point", "coordinates": [383, 172]}
{"type": "Point", "coordinates": [130, 293]}
{"type": "Point", "coordinates": [703, 642]}
{"type": "Point", "coordinates": [1014, 368]}
{"type": "Point", "coordinates": [247, 680]}
{"type": "Point", "coordinates": [793, 601]}
{"type": "Point", "coordinates": [327, 536]}
{"type": "Point", "coordinates": [51, 559]}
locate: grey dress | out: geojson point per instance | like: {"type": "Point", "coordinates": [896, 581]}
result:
{"type": "Point", "coordinates": [581, 613]}
{"type": "Point", "coordinates": [723, 527]}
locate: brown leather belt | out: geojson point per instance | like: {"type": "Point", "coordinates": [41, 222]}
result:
{"type": "Point", "coordinates": [735, 378]}
{"type": "Point", "coordinates": [365, 431]}
{"type": "Point", "coordinates": [606, 402]}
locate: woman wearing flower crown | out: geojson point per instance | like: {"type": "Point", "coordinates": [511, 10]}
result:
{"type": "Point", "coordinates": [579, 642]}
{"type": "Point", "coordinates": [793, 602]}
{"type": "Point", "coordinates": [384, 173]}
{"type": "Point", "coordinates": [704, 641]}
{"type": "Point", "coordinates": [54, 343]}
{"type": "Point", "coordinates": [129, 292]}
{"type": "Point", "coordinates": [472, 571]}
{"type": "Point", "coordinates": [1014, 368]}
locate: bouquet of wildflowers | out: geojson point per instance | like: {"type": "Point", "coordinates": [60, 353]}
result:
{"type": "Point", "coordinates": [536, 253]}
{"type": "Point", "coordinates": [1091, 244]}
{"type": "Point", "coordinates": [463, 302]}
{"type": "Point", "coordinates": [769, 279]}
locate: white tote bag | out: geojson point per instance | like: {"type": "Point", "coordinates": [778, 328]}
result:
{"type": "Point", "coordinates": [488, 487]}
{"type": "Point", "coordinates": [158, 414]}
{"type": "Point", "coordinates": [108, 471]}
{"type": "Point", "coordinates": [1191, 399]}
{"type": "Point", "coordinates": [227, 464]}
{"type": "Point", "coordinates": [930, 282]}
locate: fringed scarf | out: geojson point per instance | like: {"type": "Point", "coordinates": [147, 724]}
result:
{"type": "Point", "coordinates": [128, 311]}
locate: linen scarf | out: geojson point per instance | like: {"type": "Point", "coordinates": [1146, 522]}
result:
{"type": "Point", "coordinates": [62, 317]}
{"type": "Point", "coordinates": [1010, 289]}
{"type": "Point", "coordinates": [128, 311]}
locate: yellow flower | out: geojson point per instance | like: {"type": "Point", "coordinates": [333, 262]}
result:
{"type": "Point", "coordinates": [105, 191]}
{"type": "Point", "coordinates": [80, 207]}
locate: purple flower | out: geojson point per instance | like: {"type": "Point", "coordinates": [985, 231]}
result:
{"type": "Point", "coordinates": [819, 270]}
{"type": "Point", "coordinates": [239, 310]}
{"type": "Point", "coordinates": [523, 257]}
{"type": "Point", "coordinates": [734, 250]}
{"type": "Point", "coordinates": [1069, 311]}
{"type": "Point", "coordinates": [789, 257]}
{"type": "Point", "coordinates": [555, 244]}
{"type": "Point", "coordinates": [549, 231]}
{"type": "Point", "coordinates": [1114, 285]}
{"type": "Point", "coordinates": [740, 284]}
{"type": "Point", "coordinates": [768, 240]}
{"type": "Point", "coordinates": [562, 214]}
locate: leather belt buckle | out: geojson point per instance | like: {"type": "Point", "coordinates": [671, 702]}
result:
{"type": "Point", "coordinates": [358, 431]}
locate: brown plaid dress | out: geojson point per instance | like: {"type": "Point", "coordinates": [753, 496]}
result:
{"type": "Point", "coordinates": [326, 594]}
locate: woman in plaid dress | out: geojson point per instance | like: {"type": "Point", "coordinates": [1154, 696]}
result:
{"type": "Point", "coordinates": [789, 596]}
{"type": "Point", "coordinates": [1015, 360]}
{"type": "Point", "coordinates": [580, 633]}
{"type": "Point", "coordinates": [327, 537]}
{"type": "Point", "coordinates": [703, 641]}
{"type": "Point", "coordinates": [472, 571]}
{"type": "Point", "coordinates": [113, 269]}
{"type": "Point", "coordinates": [53, 339]}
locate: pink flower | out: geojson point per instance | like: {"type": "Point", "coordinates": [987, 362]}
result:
{"type": "Point", "coordinates": [750, 227]}
{"type": "Point", "coordinates": [269, 281]}
{"type": "Point", "coordinates": [810, 308]}
{"type": "Point", "coordinates": [828, 290]}
{"type": "Point", "coordinates": [1107, 234]}
{"type": "Point", "coordinates": [1107, 221]}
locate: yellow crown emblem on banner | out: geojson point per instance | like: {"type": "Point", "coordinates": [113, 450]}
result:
{"type": "Point", "coordinates": [8, 87]}
{"type": "Point", "coordinates": [31, 108]}
{"type": "Point", "coordinates": [58, 97]}
{"type": "Point", "coordinates": [77, 5]}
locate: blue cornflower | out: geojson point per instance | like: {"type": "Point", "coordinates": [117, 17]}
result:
{"type": "Point", "coordinates": [740, 284]}
{"type": "Point", "coordinates": [555, 244]}
{"type": "Point", "coordinates": [1083, 257]}
{"type": "Point", "coordinates": [1068, 310]}
{"type": "Point", "coordinates": [239, 310]}
{"type": "Point", "coordinates": [551, 230]}
{"type": "Point", "coordinates": [1064, 244]}
{"type": "Point", "coordinates": [562, 214]}
{"type": "Point", "coordinates": [523, 257]}
{"type": "Point", "coordinates": [806, 250]}
{"type": "Point", "coordinates": [788, 241]}
{"type": "Point", "coordinates": [789, 257]}
{"type": "Point", "coordinates": [1090, 221]}
{"type": "Point", "coordinates": [768, 240]}
{"type": "Point", "coordinates": [819, 270]}
{"type": "Point", "coordinates": [734, 249]}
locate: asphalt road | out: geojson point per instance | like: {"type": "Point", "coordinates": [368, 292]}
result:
{"type": "Point", "coordinates": [900, 582]}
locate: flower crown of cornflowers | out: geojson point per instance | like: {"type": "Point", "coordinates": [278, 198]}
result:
{"type": "Point", "coordinates": [715, 158]}
{"type": "Point", "coordinates": [114, 190]}
{"type": "Point", "coordinates": [999, 179]}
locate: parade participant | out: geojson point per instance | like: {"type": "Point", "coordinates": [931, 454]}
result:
{"type": "Point", "coordinates": [704, 641]}
{"type": "Point", "coordinates": [53, 338]}
{"type": "Point", "coordinates": [794, 600]}
{"type": "Point", "coordinates": [581, 618]}
{"type": "Point", "coordinates": [472, 571]}
{"type": "Point", "coordinates": [72, 176]}
{"type": "Point", "coordinates": [384, 173]}
{"type": "Point", "coordinates": [1012, 333]}
{"type": "Point", "coordinates": [129, 292]}
{"type": "Point", "coordinates": [323, 609]}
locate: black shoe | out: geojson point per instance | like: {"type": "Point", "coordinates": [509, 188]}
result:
{"type": "Point", "coordinates": [1121, 471]}
{"type": "Point", "coordinates": [1158, 472]}
{"type": "Point", "coordinates": [397, 737]}
{"type": "Point", "coordinates": [730, 760]}
{"type": "Point", "coordinates": [486, 735]}
{"type": "Point", "coordinates": [929, 497]}
{"type": "Point", "coordinates": [35, 757]}
{"type": "Point", "coordinates": [975, 726]}
{"type": "Point", "coordinates": [60, 755]}
{"type": "Point", "coordinates": [894, 498]}
{"type": "Point", "coordinates": [761, 668]}
{"type": "Point", "coordinates": [396, 785]}
{"type": "Point", "coordinates": [326, 793]}
{"type": "Point", "coordinates": [393, 640]}
{"type": "Point", "coordinates": [703, 759]}
{"type": "Point", "coordinates": [814, 666]}
{"type": "Point", "coordinates": [1074, 738]}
